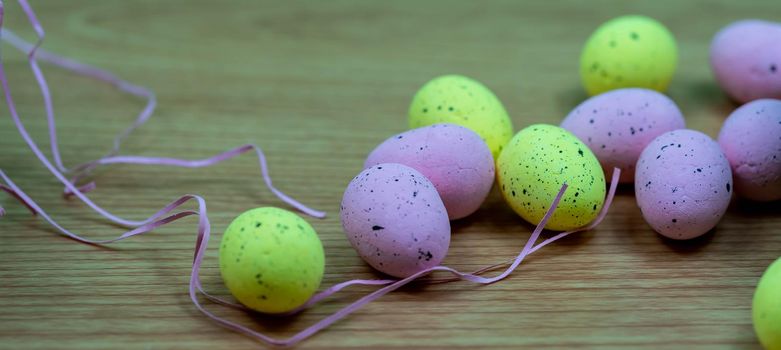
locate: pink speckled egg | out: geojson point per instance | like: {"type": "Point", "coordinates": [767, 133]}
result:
{"type": "Point", "coordinates": [455, 159]}
{"type": "Point", "coordinates": [395, 220]}
{"type": "Point", "coordinates": [683, 184]}
{"type": "Point", "coordinates": [751, 140]}
{"type": "Point", "coordinates": [618, 124]}
{"type": "Point", "coordinates": [746, 59]}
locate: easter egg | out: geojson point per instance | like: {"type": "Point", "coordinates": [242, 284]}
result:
{"type": "Point", "coordinates": [460, 100]}
{"type": "Point", "coordinates": [271, 260]}
{"type": "Point", "coordinates": [452, 157]}
{"type": "Point", "coordinates": [618, 124]}
{"type": "Point", "coordinates": [395, 220]}
{"type": "Point", "coordinates": [746, 59]}
{"type": "Point", "coordinates": [766, 308]}
{"type": "Point", "coordinates": [751, 140]}
{"type": "Point", "coordinates": [683, 184]}
{"type": "Point", "coordinates": [628, 51]}
{"type": "Point", "coordinates": [534, 165]}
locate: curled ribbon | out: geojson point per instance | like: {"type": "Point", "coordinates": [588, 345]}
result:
{"type": "Point", "coordinates": [169, 213]}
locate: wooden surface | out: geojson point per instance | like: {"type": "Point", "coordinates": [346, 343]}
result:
{"type": "Point", "coordinates": [317, 85]}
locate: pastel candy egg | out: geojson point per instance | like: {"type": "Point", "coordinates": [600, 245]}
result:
{"type": "Point", "coordinates": [271, 260]}
{"type": "Point", "coordinates": [751, 140]}
{"type": "Point", "coordinates": [628, 51]}
{"type": "Point", "coordinates": [746, 58]}
{"type": "Point", "coordinates": [452, 157]}
{"type": "Point", "coordinates": [617, 125]}
{"type": "Point", "coordinates": [460, 100]}
{"type": "Point", "coordinates": [683, 184]}
{"type": "Point", "coordinates": [534, 165]}
{"type": "Point", "coordinates": [395, 220]}
{"type": "Point", "coordinates": [766, 307]}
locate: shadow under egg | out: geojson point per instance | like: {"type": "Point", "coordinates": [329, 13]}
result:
{"type": "Point", "coordinates": [747, 208]}
{"type": "Point", "coordinates": [688, 246]}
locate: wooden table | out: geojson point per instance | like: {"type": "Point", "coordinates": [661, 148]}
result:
{"type": "Point", "coordinates": [317, 85]}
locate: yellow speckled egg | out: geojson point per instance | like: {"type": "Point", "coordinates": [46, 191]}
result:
{"type": "Point", "coordinates": [628, 51]}
{"type": "Point", "coordinates": [766, 308]}
{"type": "Point", "coordinates": [534, 165]}
{"type": "Point", "coordinates": [460, 100]}
{"type": "Point", "coordinates": [271, 260]}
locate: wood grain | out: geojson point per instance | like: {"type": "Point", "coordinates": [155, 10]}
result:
{"type": "Point", "coordinates": [317, 85]}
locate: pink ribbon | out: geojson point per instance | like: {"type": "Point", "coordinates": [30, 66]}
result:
{"type": "Point", "coordinates": [168, 213]}
{"type": "Point", "coordinates": [81, 171]}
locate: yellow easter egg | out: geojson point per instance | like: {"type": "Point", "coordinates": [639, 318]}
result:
{"type": "Point", "coordinates": [271, 260]}
{"type": "Point", "coordinates": [766, 308]}
{"type": "Point", "coordinates": [628, 51]}
{"type": "Point", "coordinates": [460, 100]}
{"type": "Point", "coordinates": [534, 165]}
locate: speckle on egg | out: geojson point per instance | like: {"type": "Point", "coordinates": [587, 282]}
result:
{"type": "Point", "coordinates": [470, 104]}
{"type": "Point", "coordinates": [602, 121]}
{"type": "Point", "coordinates": [388, 226]}
{"type": "Point", "coordinates": [676, 199]}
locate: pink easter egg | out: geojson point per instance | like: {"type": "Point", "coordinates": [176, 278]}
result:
{"type": "Point", "coordinates": [683, 184]}
{"type": "Point", "coordinates": [455, 159]}
{"type": "Point", "coordinates": [618, 124]}
{"type": "Point", "coordinates": [751, 140]}
{"type": "Point", "coordinates": [395, 220]}
{"type": "Point", "coordinates": [746, 58]}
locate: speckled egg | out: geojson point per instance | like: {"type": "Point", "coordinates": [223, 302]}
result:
{"type": "Point", "coordinates": [271, 260]}
{"type": "Point", "coordinates": [395, 220]}
{"type": "Point", "coordinates": [766, 308]}
{"type": "Point", "coordinates": [751, 140]}
{"type": "Point", "coordinates": [617, 125]}
{"type": "Point", "coordinates": [628, 51]}
{"type": "Point", "coordinates": [460, 100]}
{"type": "Point", "coordinates": [534, 165]}
{"type": "Point", "coordinates": [683, 184]}
{"type": "Point", "coordinates": [452, 157]}
{"type": "Point", "coordinates": [746, 58]}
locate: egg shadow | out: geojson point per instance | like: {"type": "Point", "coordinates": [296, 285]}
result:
{"type": "Point", "coordinates": [494, 215]}
{"type": "Point", "coordinates": [565, 244]}
{"type": "Point", "coordinates": [625, 189]}
{"type": "Point", "coordinates": [688, 246]}
{"type": "Point", "coordinates": [498, 217]}
{"type": "Point", "coordinates": [266, 323]}
{"type": "Point", "coordinates": [272, 322]}
{"type": "Point", "coordinates": [755, 210]}
{"type": "Point", "coordinates": [261, 322]}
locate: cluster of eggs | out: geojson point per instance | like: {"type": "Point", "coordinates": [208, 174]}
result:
{"type": "Point", "coordinates": [683, 179]}
{"type": "Point", "coordinates": [396, 212]}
